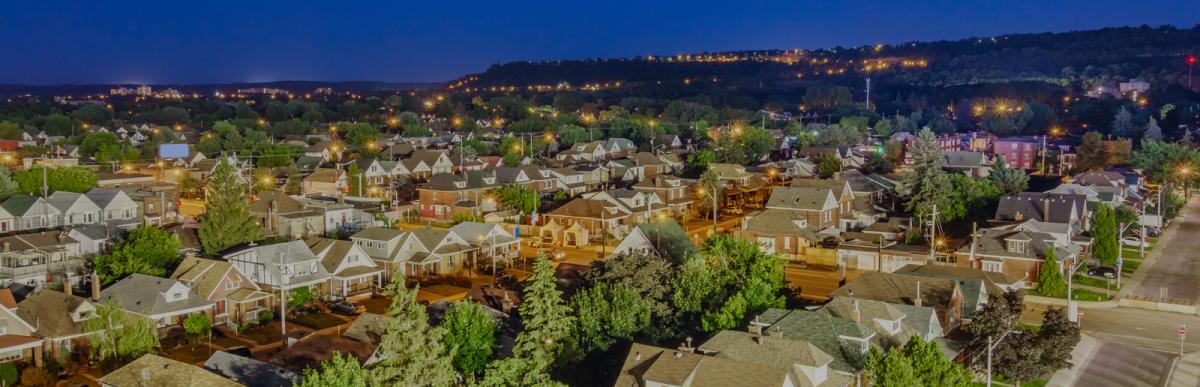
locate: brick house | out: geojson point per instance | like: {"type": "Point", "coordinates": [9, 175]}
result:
{"type": "Point", "coordinates": [445, 195]}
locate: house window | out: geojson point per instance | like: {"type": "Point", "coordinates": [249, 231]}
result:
{"type": "Point", "coordinates": [177, 296]}
{"type": "Point", "coordinates": [994, 267]}
{"type": "Point", "coordinates": [1016, 247]}
{"type": "Point", "coordinates": [232, 284]}
{"type": "Point", "coordinates": [9, 356]}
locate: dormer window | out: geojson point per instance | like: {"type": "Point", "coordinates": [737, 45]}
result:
{"type": "Point", "coordinates": [460, 184]}
{"type": "Point", "coordinates": [1016, 246]}
{"type": "Point", "coordinates": [801, 223]}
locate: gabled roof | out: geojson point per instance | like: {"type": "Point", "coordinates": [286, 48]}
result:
{"type": "Point", "coordinates": [50, 312]}
{"type": "Point", "coordinates": [251, 372]}
{"type": "Point", "coordinates": [672, 243]}
{"type": "Point", "coordinates": [587, 208]}
{"type": "Point", "coordinates": [104, 196]}
{"type": "Point", "coordinates": [825, 332]}
{"type": "Point", "coordinates": [646, 363]}
{"type": "Point", "coordinates": [204, 275]}
{"type": "Point", "coordinates": [766, 350]}
{"type": "Point", "coordinates": [368, 328]}
{"type": "Point", "coordinates": [1018, 208]}
{"type": "Point", "coordinates": [145, 295]}
{"type": "Point", "coordinates": [282, 203]}
{"type": "Point", "coordinates": [154, 370]}
{"type": "Point", "coordinates": [994, 242]}
{"type": "Point", "coordinates": [324, 175]}
{"type": "Point", "coordinates": [777, 222]}
{"type": "Point", "coordinates": [801, 198]}
{"type": "Point", "coordinates": [901, 289]}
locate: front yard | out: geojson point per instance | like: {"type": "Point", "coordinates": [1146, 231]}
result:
{"type": "Point", "coordinates": [318, 320]}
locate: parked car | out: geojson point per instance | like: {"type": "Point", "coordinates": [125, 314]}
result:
{"type": "Point", "coordinates": [347, 307]}
{"type": "Point", "coordinates": [1102, 271]}
{"type": "Point", "coordinates": [1129, 241]}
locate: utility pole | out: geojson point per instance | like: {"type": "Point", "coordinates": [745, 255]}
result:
{"type": "Point", "coordinates": [933, 234]}
{"type": "Point", "coordinates": [282, 302]}
{"type": "Point", "coordinates": [1044, 150]}
{"type": "Point", "coordinates": [974, 241]}
{"type": "Point", "coordinates": [868, 93]}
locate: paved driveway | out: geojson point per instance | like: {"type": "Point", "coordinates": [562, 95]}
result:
{"type": "Point", "coordinates": [1177, 266]}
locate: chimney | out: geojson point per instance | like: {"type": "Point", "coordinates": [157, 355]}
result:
{"type": "Point", "coordinates": [755, 327]}
{"type": "Point", "coordinates": [67, 284]}
{"type": "Point", "coordinates": [776, 332]}
{"type": "Point", "coordinates": [856, 314]}
{"type": "Point", "coordinates": [95, 286]}
{"type": "Point", "coordinates": [637, 356]}
{"type": "Point", "coordinates": [758, 340]}
{"type": "Point", "coordinates": [918, 300]}
{"type": "Point", "coordinates": [1045, 210]}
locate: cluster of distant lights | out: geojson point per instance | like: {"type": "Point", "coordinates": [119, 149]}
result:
{"type": "Point", "coordinates": [789, 57]}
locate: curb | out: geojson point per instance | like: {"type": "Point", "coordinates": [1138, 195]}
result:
{"type": "Point", "coordinates": [1063, 302]}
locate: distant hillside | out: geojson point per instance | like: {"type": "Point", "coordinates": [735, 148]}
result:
{"type": "Point", "coordinates": [1086, 57]}
{"type": "Point", "coordinates": [293, 86]}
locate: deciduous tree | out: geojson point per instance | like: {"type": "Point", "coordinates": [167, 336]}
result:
{"type": "Point", "coordinates": [341, 370]}
{"type": "Point", "coordinates": [472, 334]}
{"type": "Point", "coordinates": [147, 250]}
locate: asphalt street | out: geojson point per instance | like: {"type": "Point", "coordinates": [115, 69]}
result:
{"type": "Point", "coordinates": [1176, 268]}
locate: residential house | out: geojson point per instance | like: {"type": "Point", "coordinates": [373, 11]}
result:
{"type": "Point", "coordinates": [58, 318]}
{"type": "Point", "coordinates": [154, 370]}
{"type": "Point", "coordinates": [74, 208]}
{"type": "Point", "coordinates": [381, 245]}
{"type": "Point", "coordinates": [29, 213]}
{"type": "Point", "coordinates": [1016, 253]}
{"type": "Point", "coordinates": [288, 265]}
{"type": "Point", "coordinates": [650, 366]}
{"type": "Point", "coordinates": [943, 295]}
{"type": "Point", "coordinates": [166, 302]}
{"type": "Point", "coordinates": [235, 298]}
{"type": "Point", "coordinates": [642, 206]}
{"type": "Point", "coordinates": [446, 195]}
{"type": "Point", "coordinates": [1019, 152]}
{"type": "Point", "coordinates": [354, 272]}
{"type": "Point", "coordinates": [18, 340]}
{"type": "Point", "coordinates": [665, 239]}
{"type": "Point", "coordinates": [1043, 207]}
{"type": "Point", "coordinates": [437, 161]}
{"type": "Point", "coordinates": [115, 205]}
{"type": "Point", "coordinates": [805, 363]}
{"type": "Point", "coordinates": [743, 190]}
{"type": "Point", "coordinates": [894, 324]}
{"type": "Point", "coordinates": [845, 340]}
{"type": "Point", "coordinates": [280, 214]}
{"type": "Point", "coordinates": [38, 258]}
{"type": "Point", "coordinates": [672, 191]}
{"type": "Point", "coordinates": [489, 240]}
{"type": "Point", "coordinates": [788, 234]}
{"type": "Point", "coordinates": [569, 180]}
{"type": "Point", "coordinates": [93, 238]}
{"type": "Point", "coordinates": [818, 206]}
{"type": "Point", "coordinates": [581, 220]}
{"type": "Point", "coordinates": [325, 181]}
{"type": "Point", "coordinates": [977, 285]}
{"type": "Point", "coordinates": [973, 164]}
{"type": "Point", "coordinates": [251, 372]}
{"type": "Point", "coordinates": [847, 215]}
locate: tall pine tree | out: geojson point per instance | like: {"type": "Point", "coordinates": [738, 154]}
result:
{"type": "Point", "coordinates": [410, 352]}
{"type": "Point", "coordinates": [1050, 279]}
{"type": "Point", "coordinates": [1153, 131]}
{"type": "Point", "coordinates": [226, 221]}
{"type": "Point", "coordinates": [928, 184]}
{"type": "Point", "coordinates": [548, 325]}
{"type": "Point", "coordinates": [1104, 234]}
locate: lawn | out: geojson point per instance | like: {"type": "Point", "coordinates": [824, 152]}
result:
{"type": "Point", "coordinates": [1133, 253]}
{"type": "Point", "coordinates": [318, 321]}
{"type": "Point", "coordinates": [1130, 265]}
{"type": "Point", "coordinates": [263, 335]}
{"type": "Point", "coordinates": [1102, 283]}
{"type": "Point", "coordinates": [1082, 295]}
{"type": "Point", "coordinates": [1088, 295]}
{"type": "Point", "coordinates": [188, 354]}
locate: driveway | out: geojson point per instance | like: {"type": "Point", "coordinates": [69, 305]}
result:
{"type": "Point", "coordinates": [1176, 266]}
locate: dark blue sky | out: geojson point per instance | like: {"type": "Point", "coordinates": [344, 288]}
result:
{"type": "Point", "coordinates": [50, 42]}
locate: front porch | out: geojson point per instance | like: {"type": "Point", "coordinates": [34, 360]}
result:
{"type": "Point", "coordinates": [356, 281]}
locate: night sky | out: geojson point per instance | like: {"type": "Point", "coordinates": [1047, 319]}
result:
{"type": "Point", "coordinates": [51, 42]}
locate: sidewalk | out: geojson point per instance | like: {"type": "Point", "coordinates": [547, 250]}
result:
{"type": "Point", "coordinates": [1080, 357]}
{"type": "Point", "coordinates": [1186, 372]}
